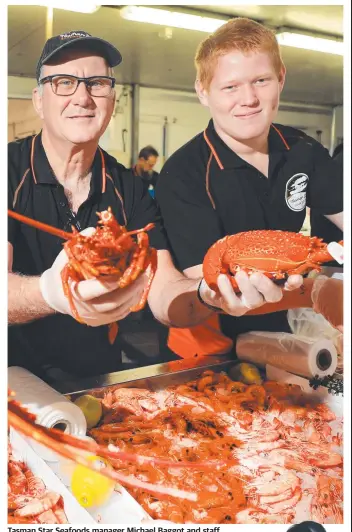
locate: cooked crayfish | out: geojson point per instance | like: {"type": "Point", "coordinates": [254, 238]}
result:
{"type": "Point", "coordinates": [276, 254]}
{"type": "Point", "coordinates": [109, 252]}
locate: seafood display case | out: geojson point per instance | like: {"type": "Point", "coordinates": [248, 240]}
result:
{"type": "Point", "coordinates": [280, 501]}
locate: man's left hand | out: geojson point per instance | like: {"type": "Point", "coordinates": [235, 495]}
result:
{"type": "Point", "coordinates": [255, 290]}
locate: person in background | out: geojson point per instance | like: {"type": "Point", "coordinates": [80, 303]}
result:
{"type": "Point", "coordinates": [242, 173]}
{"type": "Point", "coordinates": [147, 159]}
{"type": "Point", "coordinates": [320, 226]}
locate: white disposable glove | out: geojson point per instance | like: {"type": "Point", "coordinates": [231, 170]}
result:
{"type": "Point", "coordinates": [327, 299]}
{"type": "Point", "coordinates": [256, 290]}
{"type": "Point", "coordinates": [97, 302]}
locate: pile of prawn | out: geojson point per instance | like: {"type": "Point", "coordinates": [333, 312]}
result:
{"type": "Point", "coordinates": [282, 456]}
{"type": "Point", "coordinates": [28, 499]}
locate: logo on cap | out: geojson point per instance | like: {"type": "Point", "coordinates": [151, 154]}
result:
{"type": "Point", "coordinates": [73, 34]}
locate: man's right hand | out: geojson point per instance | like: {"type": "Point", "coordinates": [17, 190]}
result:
{"type": "Point", "coordinates": [97, 302]}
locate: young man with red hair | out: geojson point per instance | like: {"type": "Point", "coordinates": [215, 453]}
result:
{"type": "Point", "coordinates": [243, 172]}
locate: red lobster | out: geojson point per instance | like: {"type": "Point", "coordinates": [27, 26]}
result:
{"type": "Point", "coordinates": [109, 252]}
{"type": "Point", "coordinates": [276, 254]}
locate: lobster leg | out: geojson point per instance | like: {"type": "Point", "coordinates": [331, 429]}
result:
{"type": "Point", "coordinates": [126, 278]}
{"type": "Point", "coordinates": [68, 275]}
{"type": "Point", "coordinates": [151, 269]}
{"type": "Point", "coordinates": [113, 329]}
{"type": "Point", "coordinates": [303, 268]}
{"type": "Point", "coordinates": [138, 261]}
{"type": "Point", "coordinates": [82, 268]}
{"type": "Point", "coordinates": [141, 259]}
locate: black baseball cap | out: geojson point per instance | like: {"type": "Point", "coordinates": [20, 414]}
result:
{"type": "Point", "coordinates": [70, 40]}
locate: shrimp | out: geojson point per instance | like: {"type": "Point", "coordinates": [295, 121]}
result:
{"type": "Point", "coordinates": [17, 478]}
{"type": "Point", "coordinates": [36, 486]}
{"type": "Point", "coordinates": [252, 516]}
{"type": "Point", "coordinates": [287, 480]}
{"type": "Point", "coordinates": [39, 505]}
{"type": "Point", "coordinates": [281, 507]}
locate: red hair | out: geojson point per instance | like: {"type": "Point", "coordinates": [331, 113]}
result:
{"type": "Point", "coordinates": [241, 34]}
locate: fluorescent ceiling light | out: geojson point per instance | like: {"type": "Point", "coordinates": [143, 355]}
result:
{"type": "Point", "coordinates": [79, 7]}
{"type": "Point", "coordinates": [171, 18]}
{"type": "Point", "coordinates": [297, 40]}
{"type": "Point", "coordinates": [187, 21]}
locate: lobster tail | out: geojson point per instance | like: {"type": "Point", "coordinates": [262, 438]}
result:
{"type": "Point", "coordinates": [321, 253]}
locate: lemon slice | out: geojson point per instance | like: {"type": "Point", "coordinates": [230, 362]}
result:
{"type": "Point", "coordinates": [246, 373]}
{"type": "Point", "coordinates": [91, 488]}
{"type": "Point", "coordinates": [91, 408]}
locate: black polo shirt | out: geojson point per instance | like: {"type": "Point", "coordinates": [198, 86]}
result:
{"type": "Point", "coordinates": [34, 191]}
{"type": "Point", "coordinates": [321, 226]}
{"type": "Point", "coordinates": [205, 191]}
{"type": "Point", "coordinates": [148, 178]}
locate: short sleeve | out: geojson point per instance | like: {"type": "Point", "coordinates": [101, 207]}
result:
{"type": "Point", "coordinates": [190, 221]}
{"type": "Point", "coordinates": [141, 209]}
{"type": "Point", "coordinates": [325, 190]}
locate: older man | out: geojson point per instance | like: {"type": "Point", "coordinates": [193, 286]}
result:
{"type": "Point", "coordinates": [62, 177]}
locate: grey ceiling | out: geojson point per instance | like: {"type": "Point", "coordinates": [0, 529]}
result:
{"type": "Point", "coordinates": [150, 60]}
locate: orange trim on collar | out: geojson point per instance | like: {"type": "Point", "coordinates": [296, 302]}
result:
{"type": "Point", "coordinates": [212, 149]}
{"type": "Point", "coordinates": [217, 157]}
{"type": "Point", "coordinates": [281, 136]}
{"type": "Point", "coordinates": [207, 184]}
{"type": "Point", "coordinates": [32, 158]}
{"type": "Point", "coordinates": [19, 188]}
{"type": "Point", "coordinates": [103, 167]}
{"type": "Point", "coordinates": [120, 198]}
{"type": "Point", "coordinates": [103, 171]}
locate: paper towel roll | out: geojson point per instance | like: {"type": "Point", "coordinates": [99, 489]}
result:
{"type": "Point", "coordinates": [53, 410]}
{"type": "Point", "coordinates": [298, 355]}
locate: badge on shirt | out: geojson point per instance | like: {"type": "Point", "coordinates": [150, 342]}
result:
{"type": "Point", "coordinates": [296, 192]}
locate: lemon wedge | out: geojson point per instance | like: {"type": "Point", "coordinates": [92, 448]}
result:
{"type": "Point", "coordinates": [246, 373]}
{"type": "Point", "coordinates": [91, 488]}
{"type": "Point", "coordinates": [91, 408]}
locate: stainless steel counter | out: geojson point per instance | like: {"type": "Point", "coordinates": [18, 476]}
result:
{"type": "Point", "coordinates": [144, 377]}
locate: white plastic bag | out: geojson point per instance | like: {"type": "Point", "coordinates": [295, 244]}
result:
{"type": "Point", "coordinates": [307, 323]}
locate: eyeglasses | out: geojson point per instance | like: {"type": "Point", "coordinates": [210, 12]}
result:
{"type": "Point", "coordinates": [64, 85]}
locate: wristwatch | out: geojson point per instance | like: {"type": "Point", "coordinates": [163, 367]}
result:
{"type": "Point", "coordinates": [210, 307]}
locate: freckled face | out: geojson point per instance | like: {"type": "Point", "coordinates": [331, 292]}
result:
{"type": "Point", "coordinates": [243, 96]}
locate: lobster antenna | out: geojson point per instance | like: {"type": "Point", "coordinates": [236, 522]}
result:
{"type": "Point", "coordinates": [40, 225]}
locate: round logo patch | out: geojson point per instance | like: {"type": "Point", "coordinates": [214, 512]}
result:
{"type": "Point", "coordinates": [296, 192]}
